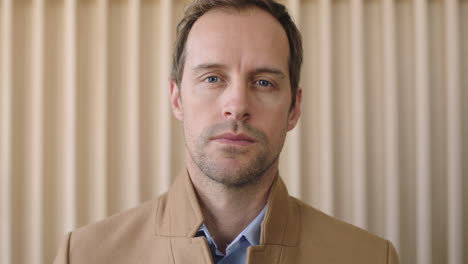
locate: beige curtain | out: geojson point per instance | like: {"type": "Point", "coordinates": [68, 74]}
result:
{"type": "Point", "coordinates": [86, 129]}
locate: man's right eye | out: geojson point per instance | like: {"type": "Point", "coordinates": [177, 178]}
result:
{"type": "Point", "coordinates": [212, 79]}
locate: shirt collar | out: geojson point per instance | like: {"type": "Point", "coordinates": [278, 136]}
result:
{"type": "Point", "coordinates": [178, 214]}
{"type": "Point", "coordinates": [251, 233]}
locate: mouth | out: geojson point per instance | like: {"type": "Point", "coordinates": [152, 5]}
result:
{"type": "Point", "coordinates": [234, 139]}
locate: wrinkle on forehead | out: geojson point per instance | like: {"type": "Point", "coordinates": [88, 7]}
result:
{"type": "Point", "coordinates": [238, 37]}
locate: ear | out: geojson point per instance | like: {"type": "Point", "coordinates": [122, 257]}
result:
{"type": "Point", "coordinates": [295, 113]}
{"type": "Point", "coordinates": [176, 101]}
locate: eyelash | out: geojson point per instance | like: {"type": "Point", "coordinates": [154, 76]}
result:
{"type": "Point", "coordinates": [215, 79]}
{"type": "Point", "coordinates": [268, 84]}
{"type": "Point", "coordinates": [210, 77]}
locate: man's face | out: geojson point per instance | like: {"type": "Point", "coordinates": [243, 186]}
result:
{"type": "Point", "coordinates": [235, 95]}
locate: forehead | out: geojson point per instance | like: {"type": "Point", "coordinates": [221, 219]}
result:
{"type": "Point", "coordinates": [249, 37]}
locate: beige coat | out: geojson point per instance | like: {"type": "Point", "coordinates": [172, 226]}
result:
{"type": "Point", "coordinates": [162, 230]}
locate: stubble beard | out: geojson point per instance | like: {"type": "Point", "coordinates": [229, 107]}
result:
{"type": "Point", "coordinates": [246, 174]}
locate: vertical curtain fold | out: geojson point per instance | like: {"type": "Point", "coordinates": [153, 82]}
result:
{"type": "Point", "coordinates": [34, 153]}
{"type": "Point", "coordinates": [98, 114]}
{"type": "Point", "coordinates": [358, 144]}
{"type": "Point", "coordinates": [390, 144]}
{"type": "Point", "coordinates": [5, 130]}
{"type": "Point", "coordinates": [67, 122]}
{"type": "Point", "coordinates": [292, 160]}
{"type": "Point", "coordinates": [326, 110]}
{"type": "Point", "coordinates": [423, 187]}
{"type": "Point", "coordinates": [164, 144]}
{"type": "Point", "coordinates": [454, 167]}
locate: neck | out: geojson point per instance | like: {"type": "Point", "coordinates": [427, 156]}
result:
{"type": "Point", "coordinates": [227, 211]}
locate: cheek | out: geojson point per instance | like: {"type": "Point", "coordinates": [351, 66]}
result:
{"type": "Point", "coordinates": [274, 124]}
{"type": "Point", "coordinates": [197, 116]}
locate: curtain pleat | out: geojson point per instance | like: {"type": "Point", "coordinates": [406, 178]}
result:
{"type": "Point", "coordinates": [390, 124]}
{"type": "Point", "coordinates": [453, 135]}
{"type": "Point", "coordinates": [5, 131]}
{"type": "Point", "coordinates": [422, 134]}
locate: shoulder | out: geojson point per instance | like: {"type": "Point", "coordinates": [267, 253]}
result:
{"type": "Point", "coordinates": [317, 221]}
{"type": "Point", "coordinates": [120, 222]}
{"type": "Point", "coordinates": [100, 240]}
{"type": "Point", "coordinates": [335, 239]}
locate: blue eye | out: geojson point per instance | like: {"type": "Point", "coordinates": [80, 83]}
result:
{"type": "Point", "coordinates": [212, 79]}
{"type": "Point", "coordinates": [263, 83]}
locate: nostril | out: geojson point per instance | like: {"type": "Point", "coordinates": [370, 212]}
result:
{"type": "Point", "coordinates": [236, 109]}
{"type": "Point", "coordinates": [240, 116]}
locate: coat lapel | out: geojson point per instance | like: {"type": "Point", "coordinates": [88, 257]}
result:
{"type": "Point", "coordinates": [179, 214]}
{"type": "Point", "coordinates": [268, 254]}
{"type": "Point", "coordinates": [281, 225]}
{"type": "Point", "coordinates": [280, 229]}
{"type": "Point", "coordinates": [191, 250]}
{"type": "Point", "coordinates": [179, 218]}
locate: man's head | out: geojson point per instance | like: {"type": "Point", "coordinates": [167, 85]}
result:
{"type": "Point", "coordinates": [199, 7]}
{"type": "Point", "coordinates": [231, 87]}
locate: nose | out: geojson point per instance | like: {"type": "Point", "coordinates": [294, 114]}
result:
{"type": "Point", "coordinates": [236, 104]}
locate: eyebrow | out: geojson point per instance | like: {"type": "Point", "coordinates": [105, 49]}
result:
{"type": "Point", "coordinates": [270, 70]}
{"type": "Point", "coordinates": [209, 66]}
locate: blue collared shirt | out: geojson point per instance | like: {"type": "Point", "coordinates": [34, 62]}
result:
{"type": "Point", "coordinates": [237, 249]}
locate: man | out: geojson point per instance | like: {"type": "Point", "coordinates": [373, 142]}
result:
{"type": "Point", "coordinates": [235, 89]}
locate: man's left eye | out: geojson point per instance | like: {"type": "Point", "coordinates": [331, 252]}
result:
{"type": "Point", "coordinates": [264, 83]}
{"type": "Point", "coordinates": [212, 79]}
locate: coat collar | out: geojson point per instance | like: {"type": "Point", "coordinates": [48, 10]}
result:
{"type": "Point", "coordinates": [179, 214]}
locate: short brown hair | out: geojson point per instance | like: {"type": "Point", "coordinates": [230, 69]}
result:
{"type": "Point", "coordinates": [199, 7]}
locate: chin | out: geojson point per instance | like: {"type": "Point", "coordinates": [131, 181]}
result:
{"type": "Point", "coordinates": [230, 180]}
{"type": "Point", "coordinates": [234, 174]}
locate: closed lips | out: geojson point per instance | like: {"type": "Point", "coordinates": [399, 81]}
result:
{"type": "Point", "coordinates": [234, 137]}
